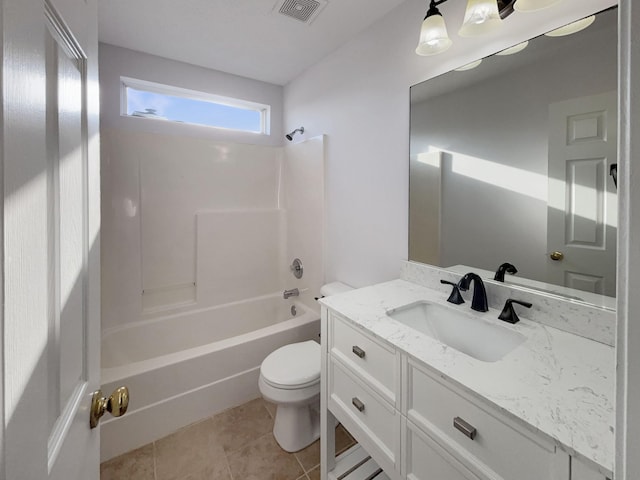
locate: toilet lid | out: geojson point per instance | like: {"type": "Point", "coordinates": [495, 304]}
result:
{"type": "Point", "coordinates": [294, 364]}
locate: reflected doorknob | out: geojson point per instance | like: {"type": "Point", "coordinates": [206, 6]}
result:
{"type": "Point", "coordinates": [116, 405]}
{"type": "Point", "coordinates": [556, 256]}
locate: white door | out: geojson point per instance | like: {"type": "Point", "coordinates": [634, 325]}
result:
{"type": "Point", "coordinates": [51, 215]}
{"type": "Point", "coordinates": [582, 211]}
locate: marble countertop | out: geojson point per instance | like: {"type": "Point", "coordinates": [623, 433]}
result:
{"type": "Point", "coordinates": [556, 384]}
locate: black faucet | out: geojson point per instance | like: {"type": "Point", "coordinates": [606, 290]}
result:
{"type": "Point", "coordinates": [505, 268]}
{"type": "Point", "coordinates": [479, 301]}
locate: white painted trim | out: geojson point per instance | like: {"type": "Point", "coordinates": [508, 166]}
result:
{"type": "Point", "coordinates": [627, 466]}
{"type": "Point", "coordinates": [3, 470]}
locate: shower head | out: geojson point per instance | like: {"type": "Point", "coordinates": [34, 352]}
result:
{"type": "Point", "coordinates": [290, 136]}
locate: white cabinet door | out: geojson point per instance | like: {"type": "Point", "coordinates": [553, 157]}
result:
{"type": "Point", "coordinates": [425, 459]}
{"type": "Point", "coordinates": [51, 214]}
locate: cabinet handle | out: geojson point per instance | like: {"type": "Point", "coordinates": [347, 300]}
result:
{"type": "Point", "coordinates": [469, 430]}
{"type": "Point", "coordinates": [358, 404]}
{"type": "Point", "coordinates": [358, 351]}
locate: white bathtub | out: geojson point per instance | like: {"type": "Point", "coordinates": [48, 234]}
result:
{"type": "Point", "coordinates": [182, 368]}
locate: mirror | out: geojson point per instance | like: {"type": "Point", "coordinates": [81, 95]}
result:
{"type": "Point", "coordinates": [511, 162]}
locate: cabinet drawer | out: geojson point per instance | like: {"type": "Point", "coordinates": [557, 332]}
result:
{"type": "Point", "coordinates": [424, 459]}
{"type": "Point", "coordinates": [365, 412]}
{"type": "Point", "coordinates": [377, 364]}
{"type": "Point", "coordinates": [582, 471]}
{"type": "Point", "coordinates": [497, 449]}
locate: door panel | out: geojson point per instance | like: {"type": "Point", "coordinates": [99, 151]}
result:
{"type": "Point", "coordinates": [67, 223]}
{"type": "Point", "coordinates": [50, 220]}
{"type": "Point", "coordinates": [582, 212]}
{"type": "Point", "coordinates": [584, 220]}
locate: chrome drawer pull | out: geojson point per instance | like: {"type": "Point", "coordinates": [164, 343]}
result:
{"type": "Point", "coordinates": [358, 351]}
{"type": "Point", "coordinates": [358, 404]}
{"type": "Point", "coordinates": [469, 430]}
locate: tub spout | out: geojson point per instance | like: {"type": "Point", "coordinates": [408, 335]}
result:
{"type": "Point", "coordinates": [294, 292]}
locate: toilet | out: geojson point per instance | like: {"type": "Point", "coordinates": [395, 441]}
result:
{"type": "Point", "coordinates": [290, 378]}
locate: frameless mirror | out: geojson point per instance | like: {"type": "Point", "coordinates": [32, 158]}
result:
{"type": "Point", "coordinates": [511, 162]}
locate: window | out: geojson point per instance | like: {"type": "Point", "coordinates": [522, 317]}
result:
{"type": "Point", "coordinates": [163, 102]}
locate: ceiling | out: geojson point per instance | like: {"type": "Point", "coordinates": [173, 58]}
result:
{"type": "Point", "coordinates": [244, 37]}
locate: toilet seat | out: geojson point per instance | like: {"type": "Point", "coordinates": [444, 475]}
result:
{"type": "Point", "coordinates": [293, 366]}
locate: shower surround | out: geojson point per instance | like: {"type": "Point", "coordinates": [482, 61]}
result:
{"type": "Point", "coordinates": [195, 233]}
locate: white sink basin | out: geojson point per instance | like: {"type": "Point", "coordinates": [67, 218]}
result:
{"type": "Point", "coordinates": [463, 332]}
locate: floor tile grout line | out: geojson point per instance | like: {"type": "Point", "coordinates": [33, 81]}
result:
{"type": "Point", "coordinates": [155, 474]}
{"type": "Point", "coordinates": [226, 461]}
{"type": "Point", "coordinates": [264, 404]}
{"type": "Point", "coordinates": [304, 470]}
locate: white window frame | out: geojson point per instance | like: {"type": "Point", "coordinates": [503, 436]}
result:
{"type": "Point", "coordinates": [152, 87]}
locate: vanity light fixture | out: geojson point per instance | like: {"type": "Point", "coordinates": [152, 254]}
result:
{"type": "Point", "coordinates": [434, 38]}
{"type": "Point", "coordinates": [481, 17]}
{"type": "Point", "coordinates": [574, 27]}
{"type": "Point", "coordinates": [533, 5]}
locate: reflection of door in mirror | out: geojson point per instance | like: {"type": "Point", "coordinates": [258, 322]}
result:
{"type": "Point", "coordinates": [582, 207]}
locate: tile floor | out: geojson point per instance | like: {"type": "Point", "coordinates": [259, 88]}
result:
{"type": "Point", "coordinates": [237, 444]}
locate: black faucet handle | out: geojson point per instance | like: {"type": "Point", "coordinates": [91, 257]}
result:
{"type": "Point", "coordinates": [508, 314]}
{"type": "Point", "coordinates": [455, 296]}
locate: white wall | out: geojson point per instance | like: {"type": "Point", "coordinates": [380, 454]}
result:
{"type": "Point", "coordinates": [359, 97]}
{"type": "Point", "coordinates": [503, 120]}
{"type": "Point", "coordinates": [116, 62]}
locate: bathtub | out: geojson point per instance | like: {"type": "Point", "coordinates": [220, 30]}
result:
{"type": "Point", "coordinates": [184, 367]}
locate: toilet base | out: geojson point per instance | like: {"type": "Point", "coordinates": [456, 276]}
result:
{"type": "Point", "coordinates": [296, 427]}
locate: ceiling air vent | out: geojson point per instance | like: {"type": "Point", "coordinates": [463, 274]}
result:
{"type": "Point", "coordinates": [303, 10]}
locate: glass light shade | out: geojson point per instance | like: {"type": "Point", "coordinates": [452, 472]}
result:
{"type": "Point", "coordinates": [533, 5]}
{"type": "Point", "coordinates": [574, 27]}
{"type": "Point", "coordinates": [469, 66]}
{"type": "Point", "coordinates": [481, 17]}
{"type": "Point", "coordinates": [515, 49]}
{"type": "Point", "coordinates": [434, 38]}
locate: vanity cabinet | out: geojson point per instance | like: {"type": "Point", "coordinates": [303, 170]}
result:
{"type": "Point", "coordinates": [481, 439]}
{"type": "Point", "coordinates": [417, 425]}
